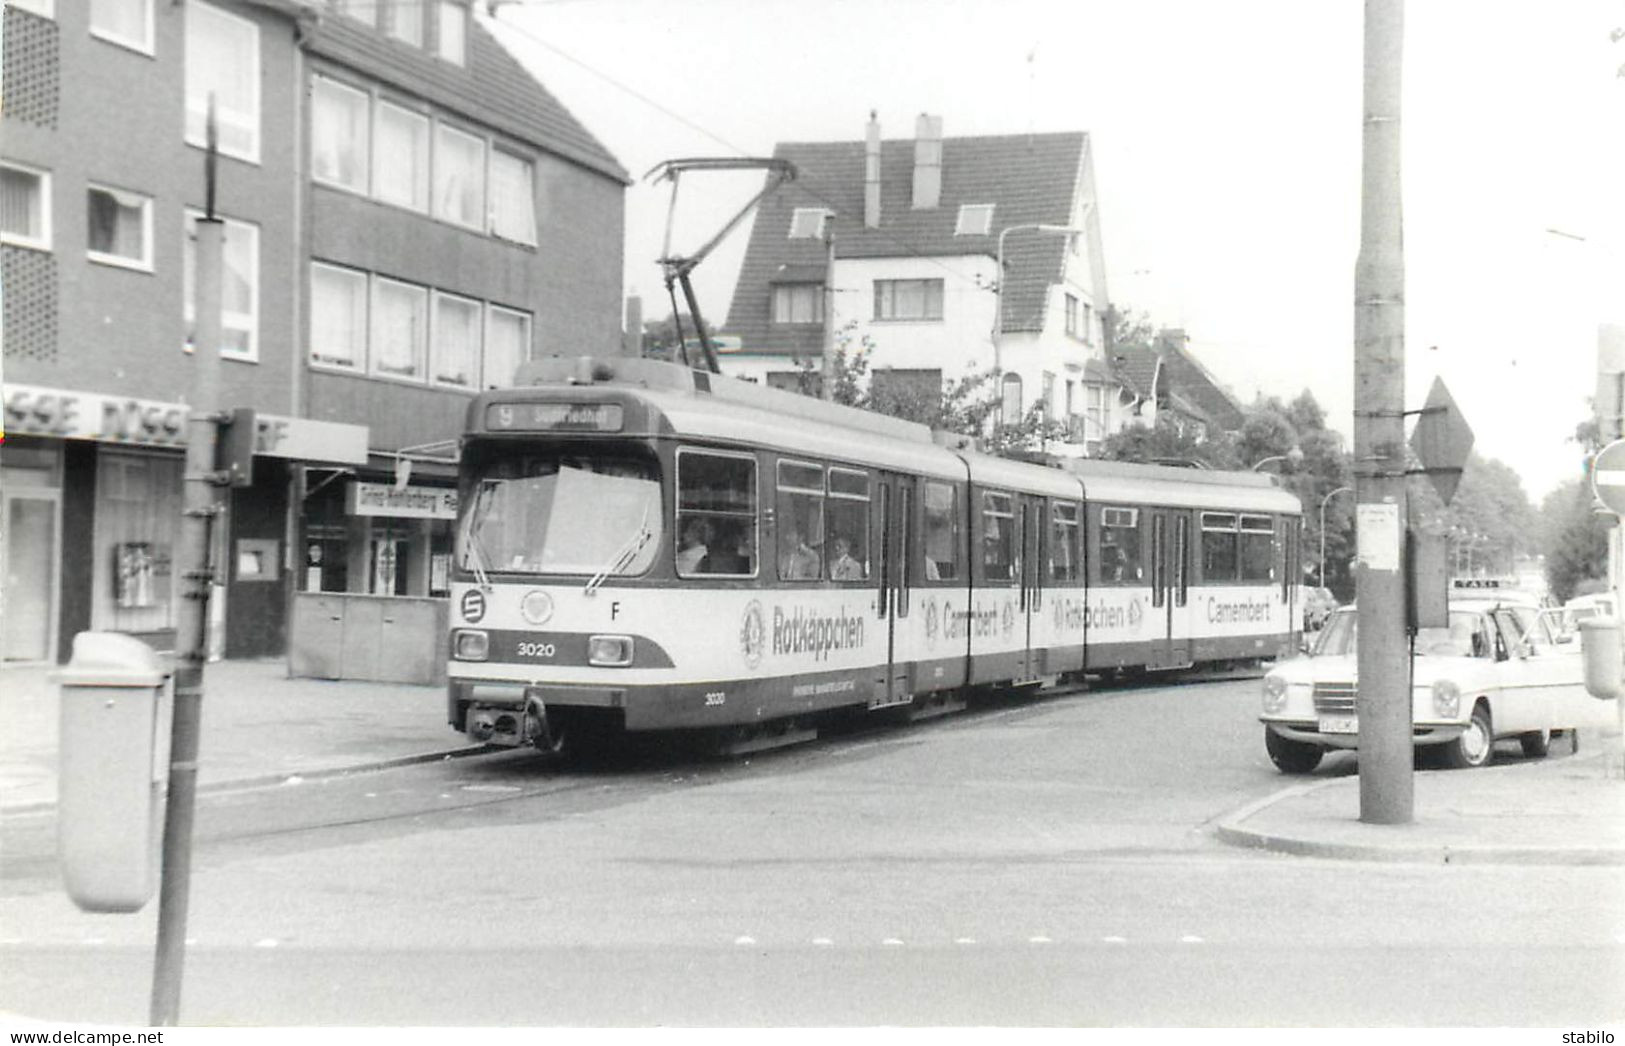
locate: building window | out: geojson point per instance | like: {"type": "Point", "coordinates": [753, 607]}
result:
{"type": "Point", "coordinates": [338, 135]}
{"type": "Point", "coordinates": [43, 8]}
{"type": "Point", "coordinates": [455, 329]}
{"type": "Point", "coordinates": [975, 219]}
{"type": "Point", "coordinates": [338, 317]}
{"type": "Point", "coordinates": [406, 21]}
{"type": "Point", "coordinates": [360, 10]}
{"type": "Point", "coordinates": [401, 175]}
{"type": "Point", "coordinates": [1088, 323]}
{"type": "Point", "coordinates": [223, 59]}
{"type": "Point", "coordinates": [239, 287]}
{"type": "Point", "coordinates": [400, 329]}
{"type": "Point", "coordinates": [119, 227]}
{"type": "Point", "coordinates": [807, 223]}
{"type": "Point", "coordinates": [25, 207]}
{"type": "Point", "coordinates": [1010, 400]}
{"type": "Point", "coordinates": [126, 22]}
{"type": "Point", "coordinates": [453, 40]}
{"type": "Point", "coordinates": [1074, 316]}
{"type": "Point", "coordinates": [513, 198]}
{"type": "Point", "coordinates": [908, 299]}
{"type": "Point", "coordinates": [798, 303]}
{"type": "Point", "coordinates": [459, 177]}
{"type": "Point", "coordinates": [507, 345]}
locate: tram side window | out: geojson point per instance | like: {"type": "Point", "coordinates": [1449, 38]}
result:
{"type": "Point", "coordinates": [941, 532]}
{"type": "Point", "coordinates": [1219, 546]}
{"type": "Point", "coordinates": [1257, 548]}
{"type": "Point", "coordinates": [1064, 564]}
{"type": "Point", "coordinates": [800, 520]}
{"type": "Point", "coordinates": [848, 516]}
{"type": "Point", "coordinates": [998, 537]}
{"type": "Point", "coordinates": [1120, 559]}
{"type": "Point", "coordinates": [716, 514]}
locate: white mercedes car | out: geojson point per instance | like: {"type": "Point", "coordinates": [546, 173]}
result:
{"type": "Point", "coordinates": [1499, 671]}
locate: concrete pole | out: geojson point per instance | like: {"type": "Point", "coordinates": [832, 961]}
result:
{"type": "Point", "coordinates": [828, 391]}
{"type": "Point", "coordinates": [1383, 698]}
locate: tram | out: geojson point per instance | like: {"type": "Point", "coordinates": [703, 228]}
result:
{"type": "Point", "coordinates": [646, 547]}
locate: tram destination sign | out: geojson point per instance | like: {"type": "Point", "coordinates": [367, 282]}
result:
{"type": "Point", "coordinates": [555, 417]}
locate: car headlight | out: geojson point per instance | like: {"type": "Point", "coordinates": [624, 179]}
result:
{"type": "Point", "coordinates": [610, 651]}
{"type": "Point", "coordinates": [470, 644]}
{"type": "Point", "coordinates": [1446, 698]}
{"type": "Point", "coordinates": [1274, 693]}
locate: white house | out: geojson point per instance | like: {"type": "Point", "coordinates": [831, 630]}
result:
{"type": "Point", "coordinates": [901, 241]}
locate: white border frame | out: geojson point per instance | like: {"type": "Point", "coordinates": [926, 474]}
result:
{"type": "Point", "coordinates": [378, 106]}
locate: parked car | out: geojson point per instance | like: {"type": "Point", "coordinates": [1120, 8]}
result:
{"type": "Point", "coordinates": [1497, 672]}
{"type": "Point", "coordinates": [1318, 604]}
{"type": "Point", "coordinates": [1598, 604]}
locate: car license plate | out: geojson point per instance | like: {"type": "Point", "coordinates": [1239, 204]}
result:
{"type": "Point", "coordinates": [1343, 724]}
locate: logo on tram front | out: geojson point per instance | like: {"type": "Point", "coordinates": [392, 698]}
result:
{"type": "Point", "coordinates": [1009, 619]}
{"type": "Point", "coordinates": [472, 605]}
{"type": "Point", "coordinates": [753, 634]}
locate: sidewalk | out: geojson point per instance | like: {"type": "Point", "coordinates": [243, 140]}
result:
{"type": "Point", "coordinates": [1564, 809]}
{"type": "Point", "coordinates": [258, 725]}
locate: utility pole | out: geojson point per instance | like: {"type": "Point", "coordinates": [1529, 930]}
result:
{"type": "Point", "coordinates": [1383, 697]}
{"type": "Point", "coordinates": [828, 391]}
{"type": "Point", "coordinates": [201, 507]}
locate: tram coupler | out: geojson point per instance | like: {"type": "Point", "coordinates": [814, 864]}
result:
{"type": "Point", "coordinates": [510, 726]}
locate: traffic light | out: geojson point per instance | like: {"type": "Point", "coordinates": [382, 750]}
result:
{"type": "Point", "coordinates": [234, 453]}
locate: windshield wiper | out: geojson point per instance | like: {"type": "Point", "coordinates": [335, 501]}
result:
{"type": "Point", "coordinates": [474, 550]}
{"type": "Point", "coordinates": [625, 555]}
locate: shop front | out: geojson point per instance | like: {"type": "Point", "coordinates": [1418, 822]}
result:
{"type": "Point", "coordinates": [92, 504]}
{"type": "Point", "coordinates": [376, 572]}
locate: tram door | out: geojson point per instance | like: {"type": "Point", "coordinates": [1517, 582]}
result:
{"type": "Point", "coordinates": [1170, 588]}
{"type": "Point", "coordinates": [893, 530]}
{"type": "Point", "coordinates": [1031, 554]}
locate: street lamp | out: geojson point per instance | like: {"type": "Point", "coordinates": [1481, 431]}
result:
{"type": "Point", "coordinates": [1340, 490]}
{"type": "Point", "coordinates": [998, 292]}
{"type": "Point", "coordinates": [1291, 457]}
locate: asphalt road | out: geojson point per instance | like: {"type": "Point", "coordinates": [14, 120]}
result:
{"type": "Point", "coordinates": [1042, 862]}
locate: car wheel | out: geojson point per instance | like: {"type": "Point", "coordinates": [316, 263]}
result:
{"type": "Point", "coordinates": [1536, 743]}
{"type": "Point", "coordinates": [1476, 745]}
{"type": "Point", "coordinates": [1290, 757]}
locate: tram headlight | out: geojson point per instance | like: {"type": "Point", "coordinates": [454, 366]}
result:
{"type": "Point", "coordinates": [1275, 688]}
{"type": "Point", "coordinates": [470, 644]}
{"type": "Point", "coordinates": [609, 651]}
{"type": "Point", "coordinates": [1446, 698]}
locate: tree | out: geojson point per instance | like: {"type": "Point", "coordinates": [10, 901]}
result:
{"type": "Point", "coordinates": [1167, 442]}
{"type": "Point", "coordinates": [660, 337]}
{"type": "Point", "coordinates": [1574, 541]}
{"type": "Point", "coordinates": [1490, 521]}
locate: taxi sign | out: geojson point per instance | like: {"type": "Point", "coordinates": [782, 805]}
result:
{"type": "Point", "coordinates": [1608, 477]}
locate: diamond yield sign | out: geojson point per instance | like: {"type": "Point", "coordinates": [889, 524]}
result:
{"type": "Point", "coordinates": [1608, 476]}
{"type": "Point", "coordinates": [1442, 440]}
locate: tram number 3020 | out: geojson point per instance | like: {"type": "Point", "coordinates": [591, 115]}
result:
{"type": "Point", "coordinates": [535, 650]}
{"type": "Point", "coordinates": [715, 697]}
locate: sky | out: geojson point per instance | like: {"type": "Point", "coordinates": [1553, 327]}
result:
{"type": "Point", "coordinates": [1226, 142]}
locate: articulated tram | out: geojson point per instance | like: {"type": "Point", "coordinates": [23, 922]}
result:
{"type": "Point", "coordinates": [644, 547]}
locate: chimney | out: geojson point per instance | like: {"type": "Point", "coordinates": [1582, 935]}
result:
{"type": "Point", "coordinates": [632, 337]}
{"type": "Point", "coordinates": [927, 162]}
{"type": "Point", "coordinates": [871, 173]}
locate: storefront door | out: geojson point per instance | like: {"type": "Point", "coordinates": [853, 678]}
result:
{"type": "Point", "coordinates": [30, 569]}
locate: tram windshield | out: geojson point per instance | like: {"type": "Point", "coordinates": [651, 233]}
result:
{"type": "Point", "coordinates": [553, 513]}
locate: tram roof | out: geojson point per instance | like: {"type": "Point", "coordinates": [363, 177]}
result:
{"type": "Point", "coordinates": [701, 405]}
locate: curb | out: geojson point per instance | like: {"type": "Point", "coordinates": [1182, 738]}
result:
{"type": "Point", "coordinates": [283, 777]}
{"type": "Point", "coordinates": [1230, 830]}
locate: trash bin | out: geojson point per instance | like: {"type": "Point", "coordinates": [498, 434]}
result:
{"type": "Point", "coordinates": [114, 707]}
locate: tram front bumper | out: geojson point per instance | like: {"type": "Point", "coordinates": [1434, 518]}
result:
{"type": "Point", "coordinates": [501, 713]}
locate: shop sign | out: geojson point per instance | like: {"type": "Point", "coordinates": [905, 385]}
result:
{"type": "Point", "coordinates": [35, 411]}
{"type": "Point", "coordinates": [382, 499]}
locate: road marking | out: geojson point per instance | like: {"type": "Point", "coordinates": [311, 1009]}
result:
{"type": "Point", "coordinates": [293, 779]}
{"type": "Point", "coordinates": [1040, 939]}
{"type": "Point", "coordinates": [822, 942]}
{"type": "Point", "coordinates": [964, 940]}
{"type": "Point", "coordinates": [95, 940]}
{"type": "Point", "coordinates": [1114, 940]}
{"type": "Point", "coordinates": [744, 940]}
{"type": "Point", "coordinates": [1190, 938]}
{"type": "Point", "coordinates": [891, 942]}
{"type": "Point", "coordinates": [266, 942]}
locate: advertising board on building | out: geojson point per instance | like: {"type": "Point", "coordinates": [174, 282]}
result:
{"type": "Point", "coordinates": [413, 502]}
